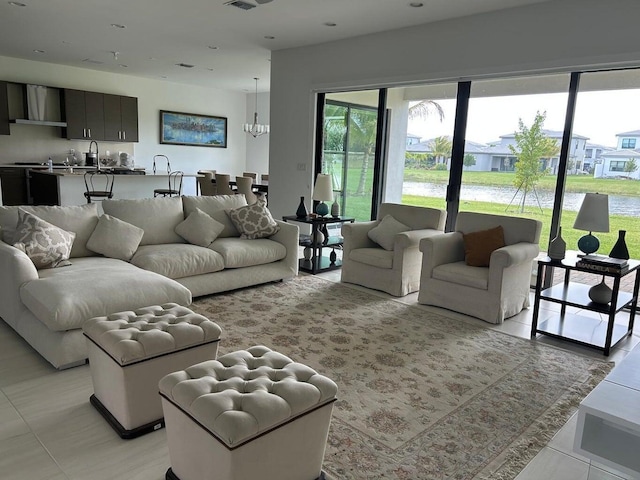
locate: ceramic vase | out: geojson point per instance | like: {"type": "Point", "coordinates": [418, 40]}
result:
{"type": "Point", "coordinates": [335, 209]}
{"type": "Point", "coordinates": [600, 293]}
{"type": "Point", "coordinates": [318, 238]}
{"type": "Point", "coordinates": [557, 247]}
{"type": "Point", "coordinates": [620, 249]}
{"type": "Point", "coordinates": [302, 209]}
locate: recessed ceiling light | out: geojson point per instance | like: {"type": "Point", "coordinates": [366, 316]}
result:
{"type": "Point", "coordinates": [117, 25]}
{"type": "Point", "coordinates": [330, 24]}
{"type": "Point", "coordinates": [213, 47]}
{"type": "Point", "coordinates": [269, 37]}
{"type": "Point", "coordinates": [16, 4]}
{"type": "Point", "coordinates": [38, 51]}
{"type": "Point", "coordinates": [416, 4]}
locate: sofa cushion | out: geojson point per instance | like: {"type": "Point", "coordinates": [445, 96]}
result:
{"type": "Point", "coordinates": [158, 217]}
{"type": "Point", "coordinates": [376, 257]}
{"type": "Point", "coordinates": [81, 220]}
{"type": "Point", "coordinates": [199, 228]}
{"type": "Point", "coordinates": [45, 244]}
{"type": "Point", "coordinates": [63, 298]}
{"type": "Point", "coordinates": [462, 274]}
{"type": "Point", "coordinates": [385, 232]}
{"type": "Point", "coordinates": [178, 260]}
{"type": "Point", "coordinates": [238, 253]}
{"type": "Point", "coordinates": [115, 238]}
{"type": "Point", "coordinates": [254, 221]}
{"type": "Point", "coordinates": [478, 246]}
{"type": "Point", "coordinates": [215, 206]}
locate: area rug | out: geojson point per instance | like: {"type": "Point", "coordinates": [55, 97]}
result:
{"type": "Point", "coordinates": [420, 395]}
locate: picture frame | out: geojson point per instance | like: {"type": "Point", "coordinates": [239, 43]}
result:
{"type": "Point", "coordinates": [178, 128]}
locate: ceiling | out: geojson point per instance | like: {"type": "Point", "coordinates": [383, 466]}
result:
{"type": "Point", "coordinates": [227, 46]}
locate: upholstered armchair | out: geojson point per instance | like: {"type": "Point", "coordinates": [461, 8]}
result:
{"type": "Point", "coordinates": [394, 268]}
{"type": "Point", "coordinates": [491, 293]}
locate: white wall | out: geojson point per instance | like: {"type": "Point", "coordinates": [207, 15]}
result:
{"type": "Point", "coordinates": [27, 143]}
{"type": "Point", "coordinates": [551, 36]}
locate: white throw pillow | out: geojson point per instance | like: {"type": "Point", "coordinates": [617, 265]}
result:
{"type": "Point", "coordinates": [254, 221]}
{"type": "Point", "coordinates": [199, 228]}
{"type": "Point", "coordinates": [45, 244]}
{"type": "Point", "coordinates": [216, 207]}
{"type": "Point", "coordinates": [385, 232]}
{"type": "Point", "coordinates": [115, 238]}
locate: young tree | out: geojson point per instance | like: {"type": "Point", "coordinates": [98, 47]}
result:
{"type": "Point", "coordinates": [630, 166]}
{"type": "Point", "coordinates": [469, 160]}
{"type": "Point", "coordinates": [532, 145]}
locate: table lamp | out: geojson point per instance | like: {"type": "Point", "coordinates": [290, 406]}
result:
{"type": "Point", "coordinates": [323, 192]}
{"type": "Point", "coordinates": [593, 217]}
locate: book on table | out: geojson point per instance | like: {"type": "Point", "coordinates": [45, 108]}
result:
{"type": "Point", "coordinates": [601, 268]}
{"type": "Point", "coordinates": [604, 260]}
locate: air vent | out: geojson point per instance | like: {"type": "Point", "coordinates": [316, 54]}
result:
{"type": "Point", "coordinates": [184, 65]}
{"type": "Point", "coordinates": [240, 4]}
{"type": "Point", "coordinates": [95, 62]}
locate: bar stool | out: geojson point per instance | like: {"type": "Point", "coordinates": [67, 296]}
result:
{"type": "Point", "coordinates": [175, 185]}
{"type": "Point", "coordinates": [98, 185]}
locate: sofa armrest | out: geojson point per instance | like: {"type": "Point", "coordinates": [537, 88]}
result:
{"type": "Point", "coordinates": [16, 269]}
{"type": "Point", "coordinates": [289, 236]}
{"type": "Point", "coordinates": [515, 254]}
{"type": "Point", "coordinates": [411, 238]}
{"type": "Point", "coordinates": [355, 236]}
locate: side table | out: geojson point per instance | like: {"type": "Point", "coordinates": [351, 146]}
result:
{"type": "Point", "coordinates": [317, 262]}
{"type": "Point", "coordinates": [589, 331]}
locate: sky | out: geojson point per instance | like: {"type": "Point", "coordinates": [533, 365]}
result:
{"type": "Point", "coordinates": [599, 115]}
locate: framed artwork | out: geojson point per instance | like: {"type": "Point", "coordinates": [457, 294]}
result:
{"type": "Point", "coordinates": [192, 129]}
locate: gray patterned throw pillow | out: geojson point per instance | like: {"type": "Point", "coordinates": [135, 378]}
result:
{"type": "Point", "coordinates": [254, 221]}
{"type": "Point", "coordinates": [45, 244]}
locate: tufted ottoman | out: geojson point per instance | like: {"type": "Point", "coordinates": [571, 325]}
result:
{"type": "Point", "coordinates": [249, 414]}
{"type": "Point", "coordinates": [129, 352]}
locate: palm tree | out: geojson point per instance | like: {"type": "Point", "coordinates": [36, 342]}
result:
{"type": "Point", "coordinates": [441, 148]}
{"type": "Point", "coordinates": [424, 108]}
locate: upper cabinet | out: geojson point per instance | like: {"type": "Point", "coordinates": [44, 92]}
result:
{"type": "Point", "coordinates": [98, 116]}
{"type": "Point", "coordinates": [4, 109]}
{"type": "Point", "coordinates": [120, 118]}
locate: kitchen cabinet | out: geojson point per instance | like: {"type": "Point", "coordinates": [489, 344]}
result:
{"type": "Point", "coordinates": [120, 118]}
{"type": "Point", "coordinates": [4, 109]}
{"type": "Point", "coordinates": [14, 186]}
{"type": "Point", "coordinates": [84, 114]}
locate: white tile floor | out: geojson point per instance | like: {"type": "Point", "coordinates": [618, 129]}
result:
{"type": "Point", "coordinates": [49, 431]}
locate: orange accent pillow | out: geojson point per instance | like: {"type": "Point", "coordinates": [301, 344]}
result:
{"type": "Point", "coordinates": [478, 246]}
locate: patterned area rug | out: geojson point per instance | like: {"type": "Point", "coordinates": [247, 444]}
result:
{"type": "Point", "coordinates": [420, 395]}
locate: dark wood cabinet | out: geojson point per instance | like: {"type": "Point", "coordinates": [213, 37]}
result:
{"type": "Point", "coordinates": [120, 118]}
{"type": "Point", "coordinates": [4, 109]}
{"type": "Point", "coordinates": [84, 114]}
{"type": "Point", "coordinates": [14, 186]}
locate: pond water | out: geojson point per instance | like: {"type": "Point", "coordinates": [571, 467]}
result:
{"type": "Point", "coordinates": [618, 205]}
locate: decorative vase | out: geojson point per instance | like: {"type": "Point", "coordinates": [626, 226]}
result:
{"type": "Point", "coordinates": [302, 209]}
{"type": "Point", "coordinates": [600, 293]}
{"type": "Point", "coordinates": [307, 253]}
{"type": "Point", "coordinates": [318, 238]}
{"type": "Point", "coordinates": [335, 209]}
{"type": "Point", "coordinates": [557, 247]}
{"type": "Point", "coordinates": [620, 249]}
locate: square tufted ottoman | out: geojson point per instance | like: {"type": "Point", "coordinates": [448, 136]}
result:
{"type": "Point", "coordinates": [249, 414]}
{"type": "Point", "coordinates": [129, 352]}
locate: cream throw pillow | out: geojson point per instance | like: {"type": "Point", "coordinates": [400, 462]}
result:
{"type": "Point", "coordinates": [254, 221]}
{"type": "Point", "coordinates": [385, 232]}
{"type": "Point", "coordinates": [45, 244]}
{"type": "Point", "coordinates": [199, 228]}
{"type": "Point", "coordinates": [115, 238]}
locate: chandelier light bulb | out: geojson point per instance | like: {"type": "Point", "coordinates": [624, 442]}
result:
{"type": "Point", "coordinates": [256, 129]}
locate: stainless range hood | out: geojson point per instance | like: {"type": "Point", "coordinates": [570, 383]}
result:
{"type": "Point", "coordinates": [38, 101]}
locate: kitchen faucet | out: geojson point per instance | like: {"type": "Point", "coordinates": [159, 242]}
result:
{"type": "Point", "coordinates": [97, 156]}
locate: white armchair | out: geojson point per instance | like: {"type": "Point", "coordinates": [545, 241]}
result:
{"type": "Point", "coordinates": [491, 293]}
{"type": "Point", "coordinates": [395, 271]}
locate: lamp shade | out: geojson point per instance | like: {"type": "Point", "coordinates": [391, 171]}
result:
{"type": "Point", "coordinates": [594, 213]}
{"type": "Point", "coordinates": [323, 190]}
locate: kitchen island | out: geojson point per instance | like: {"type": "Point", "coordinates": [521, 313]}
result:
{"type": "Point", "coordinates": [64, 187]}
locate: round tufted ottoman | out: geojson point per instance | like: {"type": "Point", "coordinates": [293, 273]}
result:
{"type": "Point", "coordinates": [129, 352]}
{"type": "Point", "coordinates": [249, 414]}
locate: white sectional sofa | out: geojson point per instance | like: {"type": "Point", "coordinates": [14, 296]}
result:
{"type": "Point", "coordinates": [48, 306]}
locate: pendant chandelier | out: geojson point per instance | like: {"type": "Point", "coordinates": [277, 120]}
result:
{"type": "Point", "coordinates": [256, 129]}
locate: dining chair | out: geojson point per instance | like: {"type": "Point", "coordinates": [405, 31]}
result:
{"type": "Point", "coordinates": [245, 186]}
{"type": "Point", "coordinates": [250, 174]}
{"type": "Point", "coordinates": [98, 185]}
{"type": "Point", "coordinates": [222, 184]}
{"type": "Point", "coordinates": [264, 177]}
{"type": "Point", "coordinates": [207, 187]}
